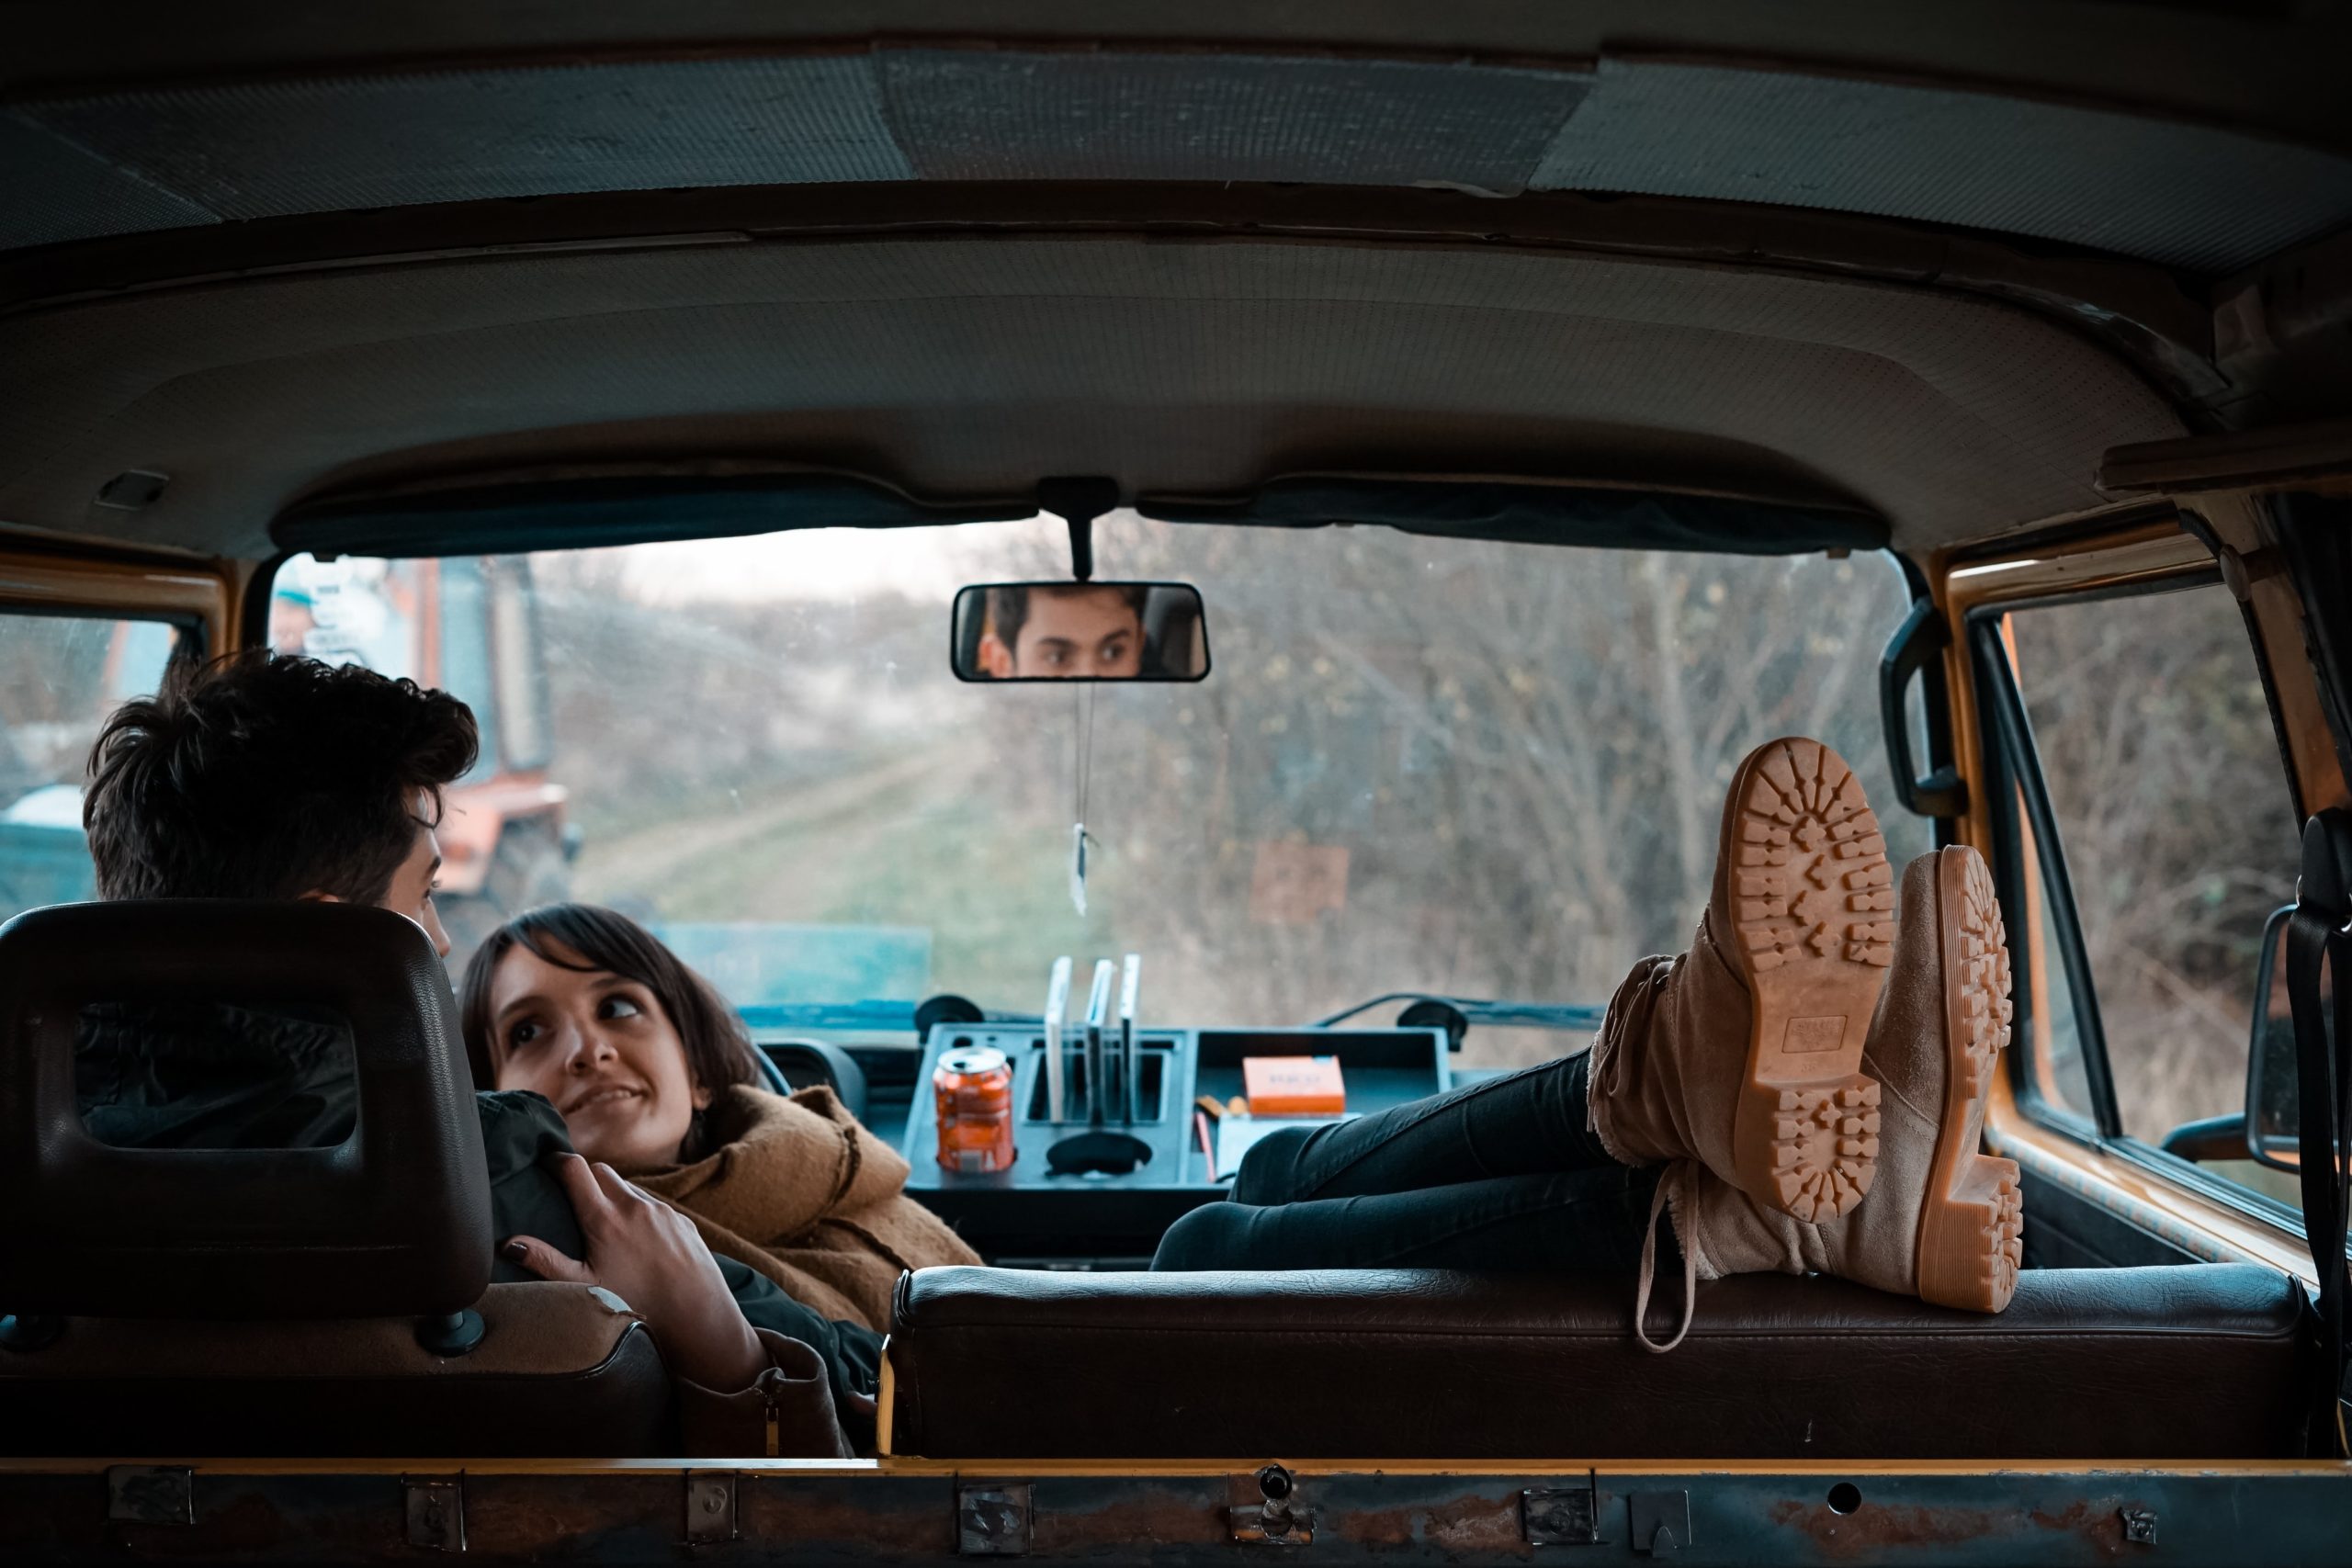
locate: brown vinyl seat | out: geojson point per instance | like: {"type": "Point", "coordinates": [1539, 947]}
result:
{"type": "Point", "coordinates": [320, 1301]}
{"type": "Point", "coordinates": [2182, 1363]}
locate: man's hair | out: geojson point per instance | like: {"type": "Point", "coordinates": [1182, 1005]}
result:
{"type": "Point", "coordinates": [1009, 606]}
{"type": "Point", "coordinates": [719, 1047]}
{"type": "Point", "coordinates": [259, 776]}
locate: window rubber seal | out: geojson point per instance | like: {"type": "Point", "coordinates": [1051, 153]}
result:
{"type": "Point", "coordinates": [2018, 765]}
{"type": "Point", "coordinates": [1998, 695]}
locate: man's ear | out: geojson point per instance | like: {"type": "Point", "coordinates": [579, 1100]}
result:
{"type": "Point", "coordinates": [316, 895]}
{"type": "Point", "coordinates": [995, 657]}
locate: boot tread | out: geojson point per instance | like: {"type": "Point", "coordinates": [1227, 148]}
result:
{"type": "Point", "coordinates": [1811, 897]}
{"type": "Point", "coordinates": [1972, 1230]}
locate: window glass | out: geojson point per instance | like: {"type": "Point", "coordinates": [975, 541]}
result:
{"type": "Point", "coordinates": [518, 675]}
{"type": "Point", "coordinates": [1487, 769]}
{"type": "Point", "coordinates": [2048, 1006]}
{"type": "Point", "coordinates": [465, 666]}
{"type": "Point", "coordinates": [421, 620]}
{"type": "Point", "coordinates": [60, 676]}
{"type": "Point", "coordinates": [352, 611]}
{"type": "Point", "coordinates": [2179, 834]}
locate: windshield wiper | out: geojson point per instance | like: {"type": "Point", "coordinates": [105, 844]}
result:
{"type": "Point", "coordinates": [1574, 1016]}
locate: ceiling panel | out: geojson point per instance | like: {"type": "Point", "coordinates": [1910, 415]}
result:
{"type": "Point", "coordinates": [963, 367]}
{"type": "Point", "coordinates": [51, 190]}
{"type": "Point", "coordinates": [271, 148]}
{"type": "Point", "coordinates": [2190, 196]}
{"type": "Point", "coordinates": [2199, 196]}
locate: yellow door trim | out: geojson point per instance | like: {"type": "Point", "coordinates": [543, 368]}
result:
{"type": "Point", "coordinates": [128, 590]}
{"type": "Point", "coordinates": [2141, 554]}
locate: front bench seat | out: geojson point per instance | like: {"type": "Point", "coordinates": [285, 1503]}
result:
{"type": "Point", "coordinates": [2199, 1362]}
{"type": "Point", "coordinates": [202, 1302]}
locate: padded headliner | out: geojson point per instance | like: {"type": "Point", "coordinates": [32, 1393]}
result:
{"type": "Point", "coordinates": [963, 369]}
{"type": "Point", "coordinates": [2200, 197]}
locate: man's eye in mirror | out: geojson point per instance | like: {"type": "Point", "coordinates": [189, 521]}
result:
{"type": "Point", "coordinates": [1080, 631]}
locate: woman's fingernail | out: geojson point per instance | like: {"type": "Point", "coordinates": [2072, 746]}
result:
{"type": "Point", "coordinates": [513, 1252]}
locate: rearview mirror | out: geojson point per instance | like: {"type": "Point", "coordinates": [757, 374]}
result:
{"type": "Point", "coordinates": [2273, 1119]}
{"type": "Point", "coordinates": [1079, 631]}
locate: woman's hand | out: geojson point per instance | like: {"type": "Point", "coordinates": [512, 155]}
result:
{"type": "Point", "coordinates": [651, 1256]}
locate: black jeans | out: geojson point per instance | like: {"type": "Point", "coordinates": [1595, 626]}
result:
{"type": "Point", "coordinates": [1504, 1177]}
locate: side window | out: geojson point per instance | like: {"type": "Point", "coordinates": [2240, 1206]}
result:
{"type": "Point", "coordinates": [466, 652]}
{"type": "Point", "coordinates": [2171, 808]}
{"type": "Point", "coordinates": [60, 677]}
{"type": "Point", "coordinates": [2058, 1061]}
{"type": "Point", "coordinates": [519, 673]}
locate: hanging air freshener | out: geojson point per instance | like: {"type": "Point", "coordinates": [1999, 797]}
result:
{"type": "Point", "coordinates": [1083, 737]}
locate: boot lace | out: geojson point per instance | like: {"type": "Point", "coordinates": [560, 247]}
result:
{"type": "Point", "coordinates": [1676, 1194]}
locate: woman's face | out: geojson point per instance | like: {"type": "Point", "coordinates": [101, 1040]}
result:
{"type": "Point", "coordinates": [602, 1049]}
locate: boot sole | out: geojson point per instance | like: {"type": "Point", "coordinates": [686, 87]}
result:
{"type": "Point", "coordinates": [1812, 914]}
{"type": "Point", "coordinates": [1972, 1226]}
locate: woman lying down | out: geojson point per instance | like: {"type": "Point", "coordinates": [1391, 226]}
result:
{"type": "Point", "coordinates": [654, 1077]}
{"type": "Point", "coordinates": [659, 1090]}
{"type": "Point", "coordinates": [1803, 1091]}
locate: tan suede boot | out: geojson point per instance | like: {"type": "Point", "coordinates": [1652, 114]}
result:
{"type": "Point", "coordinates": [1745, 1053]}
{"type": "Point", "coordinates": [1946, 1220]}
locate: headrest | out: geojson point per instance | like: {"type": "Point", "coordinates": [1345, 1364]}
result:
{"type": "Point", "coordinates": [393, 1221]}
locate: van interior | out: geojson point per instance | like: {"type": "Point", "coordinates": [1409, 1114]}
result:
{"type": "Point", "coordinates": [1543, 406]}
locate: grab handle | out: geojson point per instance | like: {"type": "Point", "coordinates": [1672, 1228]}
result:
{"type": "Point", "coordinates": [1922, 637]}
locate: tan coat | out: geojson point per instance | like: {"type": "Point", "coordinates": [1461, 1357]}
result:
{"type": "Point", "coordinates": [800, 1191]}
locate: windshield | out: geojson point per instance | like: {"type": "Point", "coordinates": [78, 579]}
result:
{"type": "Point", "coordinates": [1485, 770]}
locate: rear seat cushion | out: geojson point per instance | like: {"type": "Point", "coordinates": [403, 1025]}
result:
{"type": "Point", "coordinates": [561, 1370]}
{"type": "Point", "coordinates": [2193, 1362]}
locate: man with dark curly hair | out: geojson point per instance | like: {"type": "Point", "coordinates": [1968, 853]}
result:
{"type": "Point", "coordinates": [261, 776]}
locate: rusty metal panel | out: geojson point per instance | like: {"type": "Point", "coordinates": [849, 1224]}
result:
{"type": "Point", "coordinates": [2251, 1514]}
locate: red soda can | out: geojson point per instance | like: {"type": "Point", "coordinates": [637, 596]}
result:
{"type": "Point", "coordinates": [973, 1089]}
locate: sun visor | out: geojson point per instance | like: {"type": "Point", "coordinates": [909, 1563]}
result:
{"type": "Point", "coordinates": [1520, 513]}
{"type": "Point", "coordinates": [592, 512]}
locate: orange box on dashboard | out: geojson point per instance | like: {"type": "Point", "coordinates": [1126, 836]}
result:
{"type": "Point", "coordinates": [1294, 1086]}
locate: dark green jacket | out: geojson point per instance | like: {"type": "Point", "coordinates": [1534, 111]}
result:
{"type": "Point", "coordinates": [220, 1076]}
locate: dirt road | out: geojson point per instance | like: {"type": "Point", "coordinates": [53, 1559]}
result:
{"type": "Point", "coordinates": [675, 865]}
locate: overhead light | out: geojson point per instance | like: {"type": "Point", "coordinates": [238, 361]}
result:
{"type": "Point", "coordinates": [132, 489]}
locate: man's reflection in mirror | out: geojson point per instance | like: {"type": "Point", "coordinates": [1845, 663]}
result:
{"type": "Point", "coordinates": [1064, 631]}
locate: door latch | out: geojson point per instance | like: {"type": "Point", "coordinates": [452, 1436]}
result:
{"type": "Point", "coordinates": [436, 1511]}
{"type": "Point", "coordinates": [993, 1521]}
{"type": "Point", "coordinates": [1661, 1522]}
{"type": "Point", "coordinates": [710, 1507]}
{"type": "Point", "coordinates": [1564, 1516]}
{"type": "Point", "coordinates": [1267, 1510]}
{"type": "Point", "coordinates": [151, 1495]}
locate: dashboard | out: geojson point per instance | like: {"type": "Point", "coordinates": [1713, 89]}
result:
{"type": "Point", "coordinates": [1097, 1186]}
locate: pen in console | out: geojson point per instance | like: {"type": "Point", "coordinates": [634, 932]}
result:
{"type": "Point", "coordinates": [1130, 1087]}
{"type": "Point", "coordinates": [1057, 1008]}
{"type": "Point", "coordinates": [1098, 1012]}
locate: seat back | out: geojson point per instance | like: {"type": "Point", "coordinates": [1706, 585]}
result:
{"type": "Point", "coordinates": [394, 1219]}
{"type": "Point", "coordinates": [327, 1302]}
{"type": "Point", "coordinates": [2179, 1363]}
